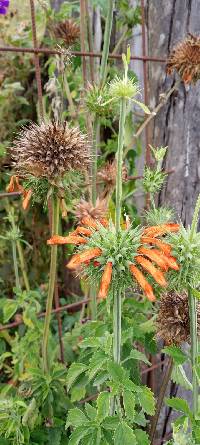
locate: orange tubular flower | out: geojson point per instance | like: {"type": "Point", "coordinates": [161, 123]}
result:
{"type": "Point", "coordinates": [162, 229]}
{"type": "Point", "coordinates": [149, 267]}
{"type": "Point", "coordinates": [105, 281]}
{"type": "Point", "coordinates": [27, 197]}
{"type": "Point", "coordinates": [80, 258]}
{"type": "Point", "coordinates": [56, 239]}
{"type": "Point", "coordinates": [156, 256]}
{"type": "Point", "coordinates": [164, 247]}
{"type": "Point", "coordinates": [82, 231]}
{"type": "Point", "coordinates": [142, 282]}
{"type": "Point", "coordinates": [90, 222]}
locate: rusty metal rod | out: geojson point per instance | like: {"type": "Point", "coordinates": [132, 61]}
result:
{"type": "Point", "coordinates": [77, 53]}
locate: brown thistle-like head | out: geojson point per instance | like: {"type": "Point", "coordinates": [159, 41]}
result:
{"type": "Point", "coordinates": [173, 322]}
{"type": "Point", "coordinates": [85, 209]}
{"type": "Point", "coordinates": [68, 31]}
{"type": "Point", "coordinates": [185, 59]}
{"type": "Point", "coordinates": [50, 150]}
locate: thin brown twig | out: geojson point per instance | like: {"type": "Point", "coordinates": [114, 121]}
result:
{"type": "Point", "coordinates": [66, 307]}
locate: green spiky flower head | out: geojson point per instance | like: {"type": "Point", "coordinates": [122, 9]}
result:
{"type": "Point", "coordinates": [117, 248]}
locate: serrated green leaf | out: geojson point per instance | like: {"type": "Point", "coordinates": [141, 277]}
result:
{"type": "Point", "coordinates": [78, 434]}
{"type": "Point", "coordinates": [97, 362]}
{"type": "Point", "coordinates": [176, 353]}
{"type": "Point", "coordinates": [101, 378]}
{"type": "Point", "coordinates": [124, 435]}
{"type": "Point", "coordinates": [179, 376]}
{"type": "Point", "coordinates": [146, 400]}
{"type": "Point", "coordinates": [142, 437]}
{"type": "Point", "coordinates": [9, 309]}
{"type": "Point", "coordinates": [129, 404]}
{"type": "Point", "coordinates": [77, 393]}
{"type": "Point", "coordinates": [103, 405]}
{"type": "Point", "coordinates": [143, 106]}
{"type": "Point", "coordinates": [110, 422]}
{"type": "Point", "coordinates": [75, 418]}
{"type": "Point", "coordinates": [179, 405]}
{"type": "Point", "coordinates": [91, 411]}
{"type": "Point", "coordinates": [116, 372]}
{"type": "Point", "coordinates": [137, 355]}
{"type": "Point", "coordinates": [74, 371]}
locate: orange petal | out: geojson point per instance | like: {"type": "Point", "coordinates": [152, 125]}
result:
{"type": "Point", "coordinates": [80, 258]}
{"type": "Point", "coordinates": [142, 282]}
{"type": "Point", "coordinates": [155, 255]}
{"type": "Point", "coordinates": [90, 222]}
{"type": "Point", "coordinates": [56, 239]}
{"type": "Point", "coordinates": [156, 273]}
{"type": "Point", "coordinates": [83, 231]}
{"type": "Point", "coordinates": [27, 198]}
{"type": "Point", "coordinates": [96, 263]}
{"type": "Point", "coordinates": [105, 281]}
{"type": "Point", "coordinates": [171, 261]}
{"type": "Point", "coordinates": [164, 247]}
{"type": "Point", "coordinates": [104, 222]}
{"type": "Point", "coordinates": [162, 229]}
{"type": "Point", "coordinates": [11, 186]}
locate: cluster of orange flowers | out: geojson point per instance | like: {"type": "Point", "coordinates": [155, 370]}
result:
{"type": "Point", "coordinates": [152, 250]}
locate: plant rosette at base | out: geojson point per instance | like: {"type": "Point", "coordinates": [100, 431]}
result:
{"type": "Point", "coordinates": [113, 260]}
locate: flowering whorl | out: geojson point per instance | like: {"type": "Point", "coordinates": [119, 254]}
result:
{"type": "Point", "coordinates": [49, 150]}
{"type": "Point", "coordinates": [185, 58]}
{"type": "Point", "coordinates": [68, 31]}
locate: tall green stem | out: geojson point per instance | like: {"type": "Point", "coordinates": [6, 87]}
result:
{"type": "Point", "coordinates": [15, 264]}
{"type": "Point", "coordinates": [194, 348]}
{"type": "Point", "coordinates": [52, 278]}
{"type": "Point", "coordinates": [23, 265]}
{"type": "Point", "coordinates": [106, 45]}
{"type": "Point", "coordinates": [120, 162]}
{"type": "Point", "coordinates": [117, 291]}
{"type": "Point", "coordinates": [94, 159]}
{"type": "Point", "coordinates": [195, 218]}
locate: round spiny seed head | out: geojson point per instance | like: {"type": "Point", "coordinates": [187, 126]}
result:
{"type": "Point", "coordinates": [173, 322]}
{"type": "Point", "coordinates": [68, 31]}
{"type": "Point", "coordinates": [86, 209]}
{"type": "Point", "coordinates": [50, 150]}
{"type": "Point", "coordinates": [185, 59]}
{"type": "Point", "coordinates": [157, 216]}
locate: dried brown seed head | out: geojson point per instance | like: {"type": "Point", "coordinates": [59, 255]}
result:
{"type": "Point", "coordinates": [185, 59]}
{"type": "Point", "coordinates": [173, 323]}
{"type": "Point", "coordinates": [107, 173]}
{"type": "Point", "coordinates": [50, 150]}
{"type": "Point", "coordinates": [86, 209]}
{"type": "Point", "coordinates": [68, 31]}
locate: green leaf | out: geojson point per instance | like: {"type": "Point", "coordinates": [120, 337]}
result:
{"type": "Point", "coordinates": [77, 393]}
{"type": "Point", "coordinates": [124, 435]}
{"type": "Point", "coordinates": [179, 405]}
{"type": "Point", "coordinates": [76, 418]}
{"type": "Point", "coordinates": [137, 355]}
{"type": "Point", "coordinates": [110, 423]}
{"type": "Point", "coordinates": [96, 363]}
{"type": "Point", "coordinates": [129, 404]}
{"type": "Point", "coordinates": [179, 376]}
{"type": "Point", "coordinates": [146, 400]}
{"type": "Point", "coordinates": [178, 356]}
{"type": "Point", "coordinates": [117, 373]}
{"type": "Point", "coordinates": [9, 309]}
{"type": "Point", "coordinates": [143, 106]}
{"type": "Point", "coordinates": [142, 437]}
{"type": "Point", "coordinates": [103, 405]}
{"type": "Point", "coordinates": [91, 411]}
{"type": "Point", "coordinates": [78, 434]}
{"type": "Point", "coordinates": [74, 371]}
